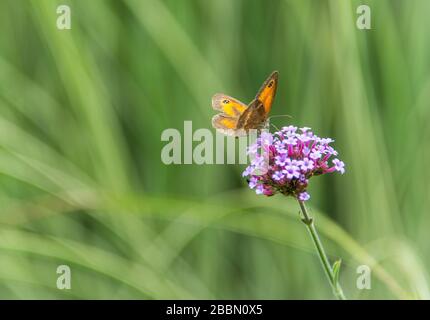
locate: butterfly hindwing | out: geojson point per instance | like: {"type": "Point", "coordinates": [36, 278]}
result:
{"type": "Point", "coordinates": [225, 124]}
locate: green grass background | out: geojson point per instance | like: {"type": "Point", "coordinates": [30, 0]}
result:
{"type": "Point", "coordinates": [82, 183]}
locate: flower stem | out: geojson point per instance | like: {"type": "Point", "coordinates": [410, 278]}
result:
{"type": "Point", "coordinates": [308, 221]}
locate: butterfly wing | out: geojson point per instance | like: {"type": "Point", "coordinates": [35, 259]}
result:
{"type": "Point", "coordinates": [267, 92]}
{"type": "Point", "coordinates": [231, 109]}
{"type": "Point", "coordinates": [228, 105]}
{"type": "Point", "coordinates": [225, 124]}
{"type": "Point", "coordinates": [254, 117]}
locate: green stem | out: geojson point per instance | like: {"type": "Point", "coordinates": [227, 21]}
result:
{"type": "Point", "coordinates": [308, 221]}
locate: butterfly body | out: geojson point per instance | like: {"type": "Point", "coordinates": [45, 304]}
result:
{"type": "Point", "coordinates": [236, 118]}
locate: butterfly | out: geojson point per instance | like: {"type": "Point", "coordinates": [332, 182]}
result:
{"type": "Point", "coordinates": [236, 118]}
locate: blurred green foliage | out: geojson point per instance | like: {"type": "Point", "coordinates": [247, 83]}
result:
{"type": "Point", "coordinates": [82, 183]}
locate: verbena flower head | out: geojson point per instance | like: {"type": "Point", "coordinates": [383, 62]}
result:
{"type": "Point", "coordinates": [285, 161]}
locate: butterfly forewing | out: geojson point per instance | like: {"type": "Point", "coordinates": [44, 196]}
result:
{"type": "Point", "coordinates": [254, 117]}
{"type": "Point", "coordinates": [267, 92]}
{"type": "Point", "coordinates": [228, 105]}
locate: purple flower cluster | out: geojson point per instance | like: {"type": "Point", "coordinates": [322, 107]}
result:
{"type": "Point", "coordinates": [285, 161]}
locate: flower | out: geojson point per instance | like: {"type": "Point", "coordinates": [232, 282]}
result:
{"type": "Point", "coordinates": [278, 175]}
{"type": "Point", "coordinates": [307, 164]}
{"type": "Point", "coordinates": [339, 166]}
{"type": "Point", "coordinates": [304, 196]}
{"type": "Point", "coordinates": [284, 162]}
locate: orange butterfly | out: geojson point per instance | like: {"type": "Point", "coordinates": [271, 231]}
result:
{"type": "Point", "coordinates": [236, 118]}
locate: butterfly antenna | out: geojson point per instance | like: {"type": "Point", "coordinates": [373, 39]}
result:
{"type": "Point", "coordinates": [278, 116]}
{"type": "Point", "coordinates": [277, 129]}
{"type": "Point", "coordinates": [281, 115]}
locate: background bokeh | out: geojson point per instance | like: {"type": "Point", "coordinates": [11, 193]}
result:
{"type": "Point", "coordinates": [82, 182]}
